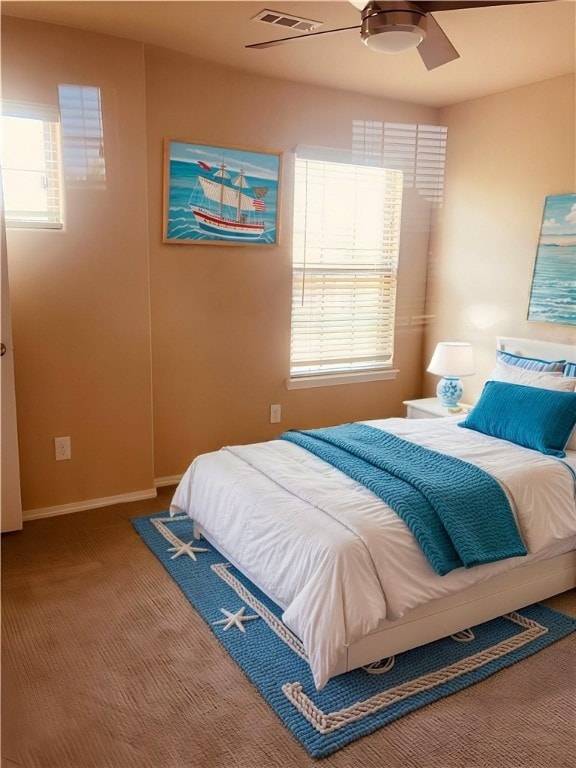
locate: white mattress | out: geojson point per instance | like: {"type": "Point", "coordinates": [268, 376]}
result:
{"type": "Point", "coordinates": [338, 575]}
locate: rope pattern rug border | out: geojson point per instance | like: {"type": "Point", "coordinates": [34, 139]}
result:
{"type": "Point", "coordinates": [356, 703]}
{"type": "Point", "coordinates": [325, 723]}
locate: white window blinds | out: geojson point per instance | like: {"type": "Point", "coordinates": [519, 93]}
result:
{"type": "Point", "coordinates": [345, 259]}
{"type": "Point", "coordinates": [419, 151]}
{"type": "Point", "coordinates": [31, 165]}
{"type": "Point", "coordinates": [82, 135]}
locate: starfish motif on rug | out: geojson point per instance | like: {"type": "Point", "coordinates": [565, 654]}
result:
{"type": "Point", "coordinates": [235, 619]}
{"type": "Point", "coordinates": [185, 549]}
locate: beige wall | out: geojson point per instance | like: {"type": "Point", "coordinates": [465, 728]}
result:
{"type": "Point", "coordinates": [221, 315]}
{"type": "Point", "coordinates": [506, 153]}
{"type": "Point", "coordinates": [80, 297]}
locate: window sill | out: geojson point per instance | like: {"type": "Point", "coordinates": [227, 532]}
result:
{"type": "Point", "coordinates": [332, 379]}
{"type": "Point", "coordinates": [33, 224]}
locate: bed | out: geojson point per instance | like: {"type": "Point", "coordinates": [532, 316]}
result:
{"type": "Point", "coordinates": [351, 579]}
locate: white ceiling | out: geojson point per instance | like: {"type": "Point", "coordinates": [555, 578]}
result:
{"type": "Point", "coordinates": [500, 47]}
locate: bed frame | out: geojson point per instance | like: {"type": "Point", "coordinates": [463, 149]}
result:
{"type": "Point", "coordinates": [494, 597]}
{"type": "Point", "coordinates": [546, 350]}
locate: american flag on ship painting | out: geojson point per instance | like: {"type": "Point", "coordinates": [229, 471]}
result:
{"type": "Point", "coordinates": [220, 195]}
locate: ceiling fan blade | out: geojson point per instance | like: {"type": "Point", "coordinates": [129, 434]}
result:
{"type": "Point", "coordinates": [270, 43]}
{"type": "Point", "coordinates": [455, 5]}
{"type": "Point", "coordinates": [436, 49]}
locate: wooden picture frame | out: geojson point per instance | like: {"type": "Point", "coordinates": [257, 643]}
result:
{"type": "Point", "coordinates": [216, 195]}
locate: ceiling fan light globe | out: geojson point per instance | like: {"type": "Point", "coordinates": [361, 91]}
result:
{"type": "Point", "coordinates": [394, 40]}
{"type": "Point", "coordinates": [392, 31]}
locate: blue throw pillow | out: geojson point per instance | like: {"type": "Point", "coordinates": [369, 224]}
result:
{"type": "Point", "coordinates": [570, 369]}
{"type": "Point", "coordinates": [530, 363]}
{"type": "Point", "coordinates": [542, 419]}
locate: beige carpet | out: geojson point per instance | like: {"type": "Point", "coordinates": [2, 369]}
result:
{"type": "Point", "coordinates": [106, 665]}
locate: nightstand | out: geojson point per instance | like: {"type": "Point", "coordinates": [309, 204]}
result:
{"type": "Point", "coordinates": [430, 408]}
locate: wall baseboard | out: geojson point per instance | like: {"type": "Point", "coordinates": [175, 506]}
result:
{"type": "Point", "coordinates": [79, 506]}
{"type": "Point", "coordinates": [160, 482]}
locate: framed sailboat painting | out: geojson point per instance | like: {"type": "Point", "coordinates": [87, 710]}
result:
{"type": "Point", "coordinates": [220, 195]}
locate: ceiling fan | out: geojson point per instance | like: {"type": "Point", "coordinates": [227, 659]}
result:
{"type": "Point", "coordinates": [393, 27]}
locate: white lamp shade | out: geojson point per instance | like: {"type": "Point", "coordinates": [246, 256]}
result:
{"type": "Point", "coordinates": [452, 358]}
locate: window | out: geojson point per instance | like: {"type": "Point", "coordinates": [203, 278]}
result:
{"type": "Point", "coordinates": [82, 135]}
{"type": "Point", "coordinates": [31, 165]}
{"type": "Point", "coordinates": [345, 259]}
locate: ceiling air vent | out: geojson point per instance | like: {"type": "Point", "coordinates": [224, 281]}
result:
{"type": "Point", "coordinates": [285, 20]}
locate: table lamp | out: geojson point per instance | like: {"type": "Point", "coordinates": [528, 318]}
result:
{"type": "Point", "coordinates": [451, 360]}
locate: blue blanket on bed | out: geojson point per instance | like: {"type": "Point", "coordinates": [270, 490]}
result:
{"type": "Point", "coordinates": [458, 513]}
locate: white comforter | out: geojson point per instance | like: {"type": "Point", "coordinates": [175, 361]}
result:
{"type": "Point", "coordinates": [336, 558]}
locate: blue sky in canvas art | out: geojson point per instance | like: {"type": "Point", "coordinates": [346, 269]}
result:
{"type": "Point", "coordinates": [220, 194]}
{"type": "Point", "coordinates": [553, 295]}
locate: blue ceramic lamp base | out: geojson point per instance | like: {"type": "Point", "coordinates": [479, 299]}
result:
{"type": "Point", "coordinates": [449, 391]}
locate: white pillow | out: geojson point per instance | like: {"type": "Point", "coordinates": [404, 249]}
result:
{"type": "Point", "coordinates": [513, 374]}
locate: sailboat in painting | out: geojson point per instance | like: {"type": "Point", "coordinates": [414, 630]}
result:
{"type": "Point", "coordinates": [228, 204]}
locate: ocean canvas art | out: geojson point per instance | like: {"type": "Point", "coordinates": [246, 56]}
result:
{"type": "Point", "coordinates": [220, 195]}
{"type": "Point", "coordinates": [553, 294]}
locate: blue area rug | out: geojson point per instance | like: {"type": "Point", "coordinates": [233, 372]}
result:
{"type": "Point", "coordinates": [249, 625]}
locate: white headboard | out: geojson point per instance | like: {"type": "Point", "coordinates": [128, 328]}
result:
{"type": "Point", "coordinates": [545, 350]}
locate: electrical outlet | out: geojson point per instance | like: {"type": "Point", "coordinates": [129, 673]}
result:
{"type": "Point", "coordinates": [62, 448]}
{"type": "Point", "coordinates": [275, 414]}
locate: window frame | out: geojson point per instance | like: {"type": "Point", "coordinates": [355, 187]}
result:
{"type": "Point", "coordinates": [49, 116]}
{"type": "Point", "coordinates": [352, 371]}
